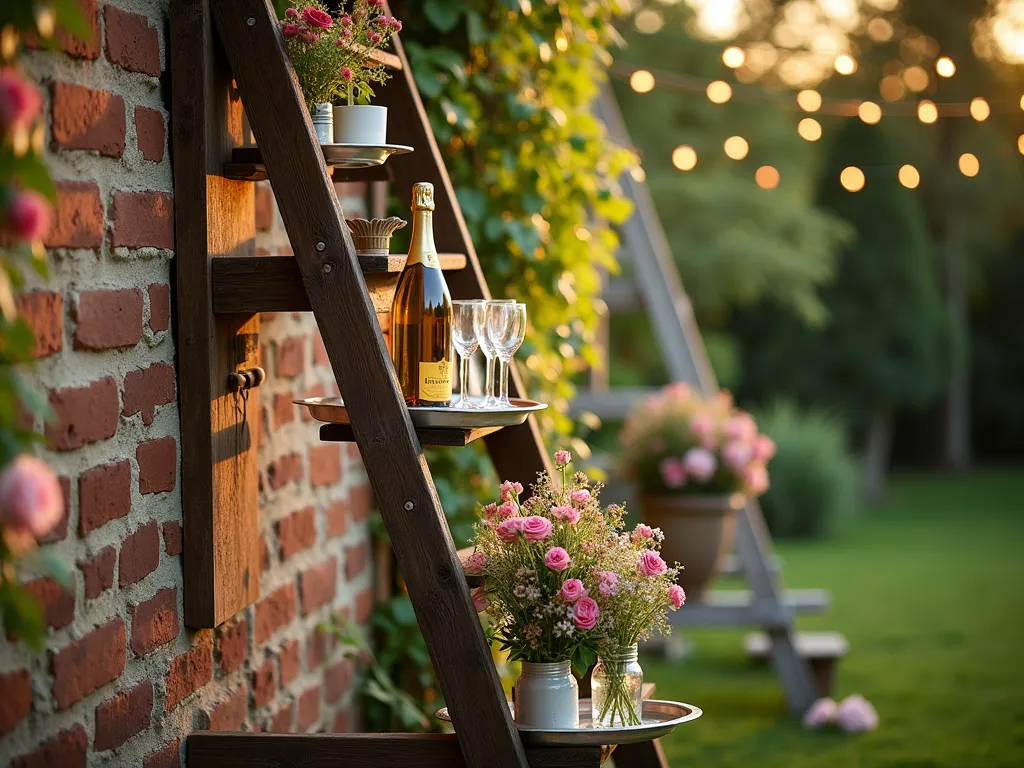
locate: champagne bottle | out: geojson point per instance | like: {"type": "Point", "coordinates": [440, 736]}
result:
{"type": "Point", "coordinates": [421, 313]}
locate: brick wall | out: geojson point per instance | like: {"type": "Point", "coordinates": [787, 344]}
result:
{"type": "Point", "coordinates": [121, 680]}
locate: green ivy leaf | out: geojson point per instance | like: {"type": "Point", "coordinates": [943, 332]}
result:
{"type": "Point", "coordinates": [443, 14]}
{"type": "Point", "coordinates": [22, 616]}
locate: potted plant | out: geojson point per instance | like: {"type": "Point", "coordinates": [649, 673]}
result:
{"type": "Point", "coordinates": [332, 60]}
{"type": "Point", "coordinates": [694, 462]}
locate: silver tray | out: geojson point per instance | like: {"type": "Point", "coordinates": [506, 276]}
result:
{"type": "Point", "coordinates": [659, 719]}
{"type": "Point", "coordinates": [361, 155]}
{"type": "Point", "coordinates": [332, 410]}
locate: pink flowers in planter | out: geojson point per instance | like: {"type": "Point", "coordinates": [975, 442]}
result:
{"type": "Point", "coordinates": [854, 714]}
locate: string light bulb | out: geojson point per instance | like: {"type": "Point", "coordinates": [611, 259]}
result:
{"type": "Point", "coordinates": [945, 67]}
{"type": "Point", "coordinates": [980, 109]}
{"type": "Point", "coordinates": [927, 112]}
{"type": "Point", "coordinates": [736, 147]}
{"type": "Point", "coordinates": [869, 112]}
{"type": "Point", "coordinates": [809, 129]}
{"type": "Point", "coordinates": [845, 64]}
{"type": "Point", "coordinates": [767, 177]}
{"type": "Point", "coordinates": [733, 57]}
{"type": "Point", "coordinates": [1020, 143]}
{"type": "Point", "coordinates": [641, 81]}
{"type": "Point", "coordinates": [684, 157]}
{"type": "Point", "coordinates": [1022, 102]}
{"type": "Point", "coordinates": [852, 179]}
{"type": "Point", "coordinates": [719, 92]}
{"type": "Point", "coordinates": [916, 78]}
{"type": "Point", "coordinates": [810, 101]}
{"type": "Point", "coordinates": [969, 165]}
{"type": "Point", "coordinates": [909, 177]}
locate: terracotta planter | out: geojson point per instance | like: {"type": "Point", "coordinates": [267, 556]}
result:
{"type": "Point", "coordinates": [699, 532]}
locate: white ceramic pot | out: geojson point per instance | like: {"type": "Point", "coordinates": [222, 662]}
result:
{"type": "Point", "coordinates": [323, 123]}
{"type": "Point", "coordinates": [546, 696]}
{"type": "Point", "coordinates": [360, 124]}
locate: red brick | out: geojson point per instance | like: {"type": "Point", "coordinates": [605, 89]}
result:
{"type": "Point", "coordinates": [67, 749]}
{"type": "Point", "coordinates": [87, 47]}
{"type": "Point", "coordinates": [146, 388]}
{"type": "Point", "coordinates": [108, 319]}
{"type": "Point", "coordinates": [264, 553]}
{"type": "Point", "coordinates": [264, 207]}
{"type": "Point", "coordinates": [77, 216]}
{"type": "Point", "coordinates": [159, 307]}
{"type": "Point", "coordinates": [264, 684]}
{"type": "Point", "coordinates": [318, 585]}
{"type": "Point", "coordinates": [337, 518]}
{"type": "Point", "coordinates": [289, 661]}
{"type": "Point", "coordinates": [232, 644]}
{"type": "Point", "coordinates": [123, 716]}
{"type": "Point", "coordinates": [155, 621]}
{"type": "Point", "coordinates": [364, 606]}
{"type": "Point", "coordinates": [104, 494]}
{"type": "Point", "coordinates": [342, 721]}
{"type": "Point", "coordinates": [352, 451]}
{"type": "Point", "coordinates": [150, 133]}
{"type": "Point", "coordinates": [284, 409]}
{"type": "Point", "coordinates": [158, 465]}
{"type": "Point", "coordinates": [274, 611]}
{"type": "Point", "coordinates": [282, 720]}
{"type": "Point", "coordinates": [338, 679]}
{"type": "Point", "coordinates": [287, 469]}
{"type": "Point", "coordinates": [168, 756]}
{"type": "Point", "coordinates": [85, 118]}
{"type": "Point", "coordinates": [318, 645]}
{"type": "Point", "coordinates": [325, 464]}
{"type": "Point", "coordinates": [83, 415]}
{"type": "Point", "coordinates": [296, 532]}
{"type": "Point", "coordinates": [143, 219]}
{"type": "Point", "coordinates": [16, 702]}
{"type": "Point", "coordinates": [356, 558]}
{"type": "Point", "coordinates": [172, 537]}
{"type": "Point", "coordinates": [131, 42]}
{"type": "Point", "coordinates": [60, 530]}
{"type": "Point", "coordinates": [140, 555]}
{"type": "Point", "coordinates": [98, 572]}
{"type": "Point", "coordinates": [190, 671]}
{"type": "Point", "coordinates": [291, 357]}
{"type": "Point", "coordinates": [85, 665]}
{"type": "Point", "coordinates": [309, 709]}
{"type": "Point", "coordinates": [230, 713]}
{"type": "Point", "coordinates": [319, 350]}
{"type": "Point", "coordinates": [43, 313]}
{"type": "Point", "coordinates": [57, 603]}
{"type": "Point", "coordinates": [360, 499]}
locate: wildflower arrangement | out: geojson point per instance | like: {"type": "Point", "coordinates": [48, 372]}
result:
{"type": "Point", "coordinates": [678, 442]}
{"type": "Point", "coordinates": [331, 54]}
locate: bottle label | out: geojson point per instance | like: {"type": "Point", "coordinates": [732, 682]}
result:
{"type": "Point", "coordinates": [436, 381]}
{"type": "Point", "coordinates": [429, 259]}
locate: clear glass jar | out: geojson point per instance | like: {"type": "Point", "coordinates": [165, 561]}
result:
{"type": "Point", "coordinates": [616, 689]}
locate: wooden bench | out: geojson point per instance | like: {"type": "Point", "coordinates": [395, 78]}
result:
{"type": "Point", "coordinates": [822, 650]}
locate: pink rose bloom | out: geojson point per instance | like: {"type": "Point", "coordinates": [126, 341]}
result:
{"type": "Point", "coordinates": [822, 712]}
{"type": "Point", "coordinates": [740, 427]}
{"type": "Point", "coordinates": [536, 528]}
{"type": "Point", "coordinates": [562, 458]}
{"type": "Point", "coordinates": [566, 514]}
{"type": "Point", "coordinates": [764, 448]}
{"type": "Point", "coordinates": [291, 30]}
{"type": "Point", "coordinates": [480, 601]}
{"type": "Point", "coordinates": [291, 13]}
{"type": "Point", "coordinates": [506, 510]}
{"type": "Point", "coordinates": [31, 500]}
{"type": "Point", "coordinates": [317, 18]}
{"type": "Point", "coordinates": [572, 590]}
{"type": "Point", "coordinates": [737, 455]}
{"type": "Point", "coordinates": [643, 531]}
{"type": "Point", "coordinates": [489, 510]}
{"type": "Point", "coordinates": [672, 472]}
{"type": "Point", "coordinates": [586, 613]}
{"type": "Point", "coordinates": [678, 390]}
{"type": "Point", "coordinates": [756, 478]}
{"type": "Point", "coordinates": [20, 101]}
{"type": "Point", "coordinates": [700, 464]}
{"type": "Point", "coordinates": [856, 715]}
{"type": "Point", "coordinates": [508, 488]}
{"type": "Point", "coordinates": [677, 595]}
{"type": "Point", "coordinates": [476, 563]}
{"type": "Point", "coordinates": [346, 20]}
{"type": "Point", "coordinates": [608, 583]}
{"type": "Point", "coordinates": [650, 564]}
{"type": "Point", "coordinates": [557, 559]}
{"type": "Point", "coordinates": [507, 530]}
{"type": "Point", "coordinates": [29, 215]}
{"type": "Point", "coordinates": [579, 498]}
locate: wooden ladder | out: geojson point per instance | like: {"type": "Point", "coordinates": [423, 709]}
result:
{"type": "Point", "coordinates": [226, 54]}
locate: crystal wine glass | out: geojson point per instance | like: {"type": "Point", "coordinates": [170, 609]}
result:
{"type": "Point", "coordinates": [466, 317]}
{"type": "Point", "coordinates": [506, 327]}
{"type": "Point", "coordinates": [490, 354]}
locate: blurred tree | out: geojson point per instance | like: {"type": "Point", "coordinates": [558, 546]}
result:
{"type": "Point", "coordinates": [885, 344]}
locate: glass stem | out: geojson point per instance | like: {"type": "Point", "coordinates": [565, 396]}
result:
{"type": "Point", "coordinates": [464, 380]}
{"type": "Point", "coordinates": [489, 382]}
{"type": "Point", "coordinates": [504, 383]}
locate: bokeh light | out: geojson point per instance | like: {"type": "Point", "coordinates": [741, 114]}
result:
{"type": "Point", "coordinates": [869, 112]}
{"type": "Point", "coordinates": [969, 165]}
{"type": "Point", "coordinates": [852, 179]}
{"type": "Point", "coordinates": [945, 67]}
{"type": "Point", "coordinates": [719, 91]}
{"type": "Point", "coordinates": [892, 88]}
{"type": "Point", "coordinates": [909, 177]}
{"type": "Point", "coordinates": [845, 64]}
{"type": "Point", "coordinates": [916, 78]}
{"type": "Point", "coordinates": [809, 129]}
{"type": "Point", "coordinates": [733, 57]}
{"type": "Point", "coordinates": [641, 81]}
{"type": "Point", "coordinates": [927, 112]}
{"type": "Point", "coordinates": [879, 29]}
{"type": "Point", "coordinates": [736, 147]}
{"type": "Point", "coordinates": [767, 177]}
{"type": "Point", "coordinates": [980, 109]}
{"type": "Point", "coordinates": [1020, 143]}
{"type": "Point", "coordinates": [810, 101]}
{"type": "Point", "coordinates": [684, 157]}
{"type": "Point", "coordinates": [649, 21]}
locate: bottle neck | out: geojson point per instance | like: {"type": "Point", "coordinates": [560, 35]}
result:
{"type": "Point", "coordinates": [422, 242]}
{"type": "Point", "coordinates": [624, 654]}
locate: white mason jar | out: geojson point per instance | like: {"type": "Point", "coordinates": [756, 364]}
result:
{"type": "Point", "coordinates": [360, 124]}
{"type": "Point", "coordinates": [323, 123]}
{"type": "Point", "coordinates": [546, 696]}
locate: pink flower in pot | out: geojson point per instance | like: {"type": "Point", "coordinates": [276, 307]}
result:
{"type": "Point", "coordinates": [703, 428]}
{"type": "Point", "coordinates": [700, 464]}
{"type": "Point", "coordinates": [756, 479]}
{"type": "Point", "coordinates": [737, 455]}
{"type": "Point", "coordinates": [764, 448]}
{"type": "Point", "coordinates": [672, 472]}
{"type": "Point", "coordinates": [740, 427]}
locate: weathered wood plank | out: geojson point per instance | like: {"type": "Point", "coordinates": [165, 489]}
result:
{"type": "Point", "coordinates": [355, 345]}
{"type": "Point", "coordinates": [428, 437]}
{"type": "Point", "coordinates": [258, 172]}
{"type": "Point", "coordinates": [214, 217]}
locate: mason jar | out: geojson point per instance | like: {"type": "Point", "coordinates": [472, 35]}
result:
{"type": "Point", "coordinates": [616, 688]}
{"type": "Point", "coordinates": [546, 696]}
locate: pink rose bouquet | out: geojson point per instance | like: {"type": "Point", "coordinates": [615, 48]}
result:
{"type": "Point", "coordinates": [678, 442]}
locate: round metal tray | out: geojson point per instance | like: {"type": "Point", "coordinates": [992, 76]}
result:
{"type": "Point", "coordinates": [659, 719]}
{"type": "Point", "coordinates": [361, 155]}
{"type": "Point", "coordinates": [332, 410]}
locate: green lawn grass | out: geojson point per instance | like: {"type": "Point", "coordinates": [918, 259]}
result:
{"type": "Point", "coordinates": [929, 591]}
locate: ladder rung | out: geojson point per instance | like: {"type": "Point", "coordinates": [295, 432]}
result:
{"type": "Point", "coordinates": [256, 171]}
{"type": "Point", "coordinates": [429, 437]}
